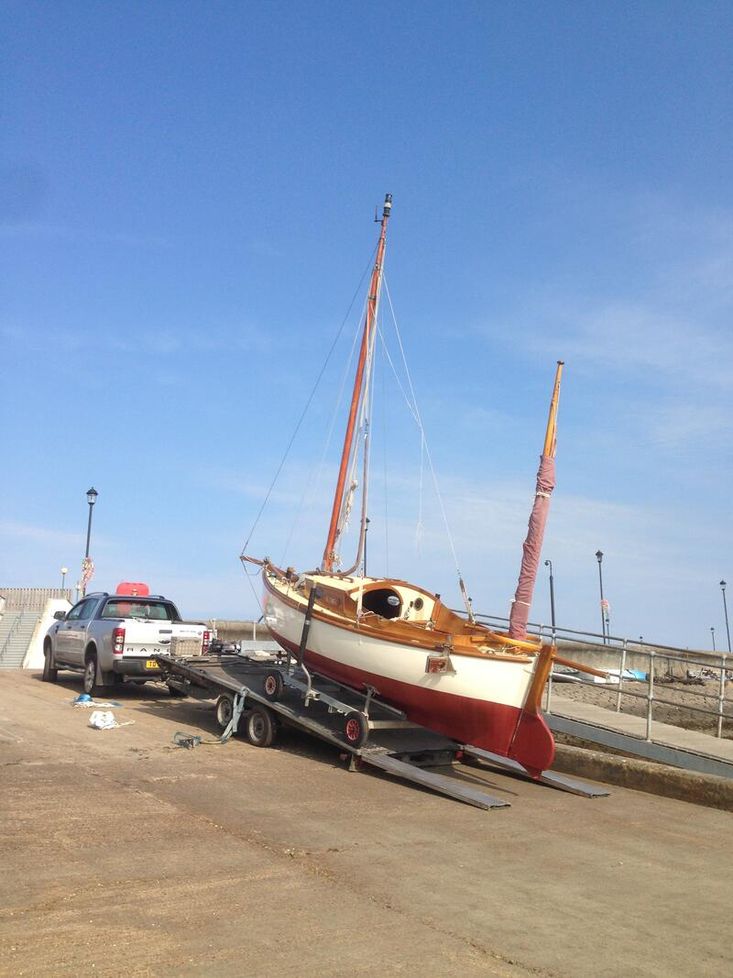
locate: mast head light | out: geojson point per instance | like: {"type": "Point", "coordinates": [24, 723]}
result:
{"type": "Point", "coordinates": [387, 205]}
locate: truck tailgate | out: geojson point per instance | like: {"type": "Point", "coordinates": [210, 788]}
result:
{"type": "Point", "coordinates": [148, 638]}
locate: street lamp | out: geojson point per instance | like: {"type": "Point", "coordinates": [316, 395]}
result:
{"type": "Point", "coordinates": [712, 632]}
{"type": "Point", "coordinates": [548, 563]}
{"type": "Point", "coordinates": [91, 499]}
{"type": "Point", "coordinates": [64, 572]}
{"type": "Point", "coordinates": [725, 609]}
{"type": "Point", "coordinates": [599, 558]}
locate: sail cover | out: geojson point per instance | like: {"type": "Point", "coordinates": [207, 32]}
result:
{"type": "Point", "coordinates": [532, 548]}
{"type": "Point", "coordinates": [519, 613]}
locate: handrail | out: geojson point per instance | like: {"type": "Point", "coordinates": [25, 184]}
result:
{"type": "Point", "coordinates": [11, 632]}
{"type": "Point", "coordinates": [723, 669]}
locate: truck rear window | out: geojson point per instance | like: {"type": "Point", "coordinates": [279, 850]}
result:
{"type": "Point", "coordinates": [131, 608]}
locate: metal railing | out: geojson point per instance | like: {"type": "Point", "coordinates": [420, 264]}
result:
{"type": "Point", "coordinates": [664, 665]}
{"type": "Point", "coordinates": [31, 598]}
{"type": "Point", "coordinates": [12, 630]}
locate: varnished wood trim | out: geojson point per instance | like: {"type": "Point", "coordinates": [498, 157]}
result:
{"type": "Point", "coordinates": [384, 629]}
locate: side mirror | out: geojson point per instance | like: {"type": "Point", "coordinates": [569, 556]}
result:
{"type": "Point", "coordinates": [59, 615]}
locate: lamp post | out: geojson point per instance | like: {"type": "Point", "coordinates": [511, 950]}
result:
{"type": "Point", "coordinates": [599, 558]}
{"type": "Point", "coordinates": [548, 563]}
{"type": "Point", "coordinates": [91, 499]}
{"type": "Point", "coordinates": [725, 609]}
{"type": "Point", "coordinates": [64, 572]}
{"type": "Point", "coordinates": [712, 632]}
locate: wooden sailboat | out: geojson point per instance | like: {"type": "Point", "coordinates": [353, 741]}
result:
{"type": "Point", "coordinates": [446, 671]}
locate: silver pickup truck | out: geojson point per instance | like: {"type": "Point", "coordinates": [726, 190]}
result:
{"type": "Point", "coordinates": [113, 638]}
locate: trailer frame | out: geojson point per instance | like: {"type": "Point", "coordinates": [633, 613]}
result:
{"type": "Point", "coordinates": [256, 693]}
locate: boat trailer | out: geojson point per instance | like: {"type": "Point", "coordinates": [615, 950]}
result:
{"type": "Point", "coordinates": [256, 693]}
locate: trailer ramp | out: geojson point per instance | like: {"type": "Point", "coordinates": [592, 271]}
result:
{"type": "Point", "coordinates": [452, 787]}
{"type": "Point", "coordinates": [396, 747]}
{"type": "Point", "coordinates": [551, 778]}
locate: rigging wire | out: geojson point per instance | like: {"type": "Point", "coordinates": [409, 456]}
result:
{"type": "Point", "coordinates": [316, 473]}
{"type": "Point", "coordinates": [416, 414]}
{"type": "Point", "coordinates": [250, 577]}
{"type": "Point", "coordinates": [383, 405]}
{"type": "Point", "coordinates": [419, 529]}
{"type": "Point", "coordinates": [308, 402]}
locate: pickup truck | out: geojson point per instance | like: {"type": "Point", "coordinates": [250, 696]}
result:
{"type": "Point", "coordinates": [113, 638]}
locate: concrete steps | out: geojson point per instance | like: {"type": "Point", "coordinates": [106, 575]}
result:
{"type": "Point", "coordinates": [16, 632]}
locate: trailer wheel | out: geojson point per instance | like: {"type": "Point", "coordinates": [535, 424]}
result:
{"type": "Point", "coordinates": [224, 710]}
{"type": "Point", "coordinates": [260, 727]}
{"type": "Point", "coordinates": [273, 685]}
{"type": "Point", "coordinates": [356, 729]}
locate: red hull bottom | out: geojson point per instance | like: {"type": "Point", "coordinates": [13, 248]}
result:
{"type": "Point", "coordinates": [504, 730]}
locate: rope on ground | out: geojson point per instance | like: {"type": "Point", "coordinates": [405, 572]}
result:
{"type": "Point", "coordinates": [189, 741]}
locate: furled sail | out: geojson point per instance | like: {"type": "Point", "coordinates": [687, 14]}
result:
{"type": "Point", "coordinates": [537, 520]}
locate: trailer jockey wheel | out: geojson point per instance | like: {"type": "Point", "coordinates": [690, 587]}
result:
{"type": "Point", "coordinates": [272, 687]}
{"type": "Point", "coordinates": [356, 729]}
{"type": "Point", "coordinates": [260, 726]}
{"type": "Point", "coordinates": [224, 710]}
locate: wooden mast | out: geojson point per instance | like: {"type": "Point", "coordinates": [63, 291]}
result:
{"type": "Point", "coordinates": [550, 446]}
{"type": "Point", "coordinates": [375, 285]}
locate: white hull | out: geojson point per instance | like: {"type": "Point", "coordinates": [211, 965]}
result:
{"type": "Point", "coordinates": [481, 702]}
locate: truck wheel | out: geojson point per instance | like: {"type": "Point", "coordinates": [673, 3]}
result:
{"type": "Point", "coordinates": [50, 672]}
{"type": "Point", "coordinates": [90, 674]}
{"type": "Point", "coordinates": [224, 711]}
{"type": "Point", "coordinates": [356, 729]}
{"type": "Point", "coordinates": [273, 685]}
{"type": "Point", "coordinates": [260, 727]}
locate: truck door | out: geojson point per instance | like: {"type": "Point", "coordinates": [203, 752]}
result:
{"type": "Point", "coordinates": [76, 634]}
{"type": "Point", "coordinates": [64, 629]}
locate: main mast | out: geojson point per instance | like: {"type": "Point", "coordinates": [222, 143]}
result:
{"type": "Point", "coordinates": [329, 553]}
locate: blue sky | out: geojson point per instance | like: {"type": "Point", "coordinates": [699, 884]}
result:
{"type": "Point", "coordinates": [186, 211]}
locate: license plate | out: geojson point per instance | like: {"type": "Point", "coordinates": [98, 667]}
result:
{"type": "Point", "coordinates": [151, 664]}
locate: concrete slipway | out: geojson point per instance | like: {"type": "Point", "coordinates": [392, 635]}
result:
{"type": "Point", "coordinates": [122, 854]}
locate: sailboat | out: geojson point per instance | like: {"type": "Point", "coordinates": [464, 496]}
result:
{"type": "Point", "coordinates": [444, 670]}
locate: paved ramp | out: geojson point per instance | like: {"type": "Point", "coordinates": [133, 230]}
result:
{"type": "Point", "coordinates": [687, 749]}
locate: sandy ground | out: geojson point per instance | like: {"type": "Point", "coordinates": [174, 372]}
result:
{"type": "Point", "coordinates": [676, 703]}
{"type": "Point", "coordinates": [124, 855]}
